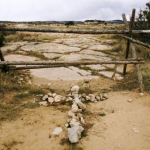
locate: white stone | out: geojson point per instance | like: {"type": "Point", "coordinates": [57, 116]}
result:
{"type": "Point", "coordinates": [98, 97]}
{"type": "Point", "coordinates": [92, 97]}
{"type": "Point", "coordinates": [63, 98]}
{"type": "Point", "coordinates": [81, 105]}
{"type": "Point", "coordinates": [75, 89]}
{"type": "Point", "coordinates": [74, 133]}
{"type": "Point", "coordinates": [88, 98]}
{"type": "Point", "coordinates": [105, 95]}
{"type": "Point", "coordinates": [69, 99]}
{"type": "Point", "coordinates": [54, 94]}
{"type": "Point", "coordinates": [49, 94]}
{"type": "Point", "coordinates": [50, 100]}
{"type": "Point", "coordinates": [45, 97]}
{"type": "Point", "coordinates": [71, 114]}
{"type": "Point", "coordinates": [74, 108]}
{"type": "Point", "coordinates": [57, 98]}
{"type": "Point", "coordinates": [74, 122]}
{"type": "Point", "coordinates": [82, 120]}
{"type": "Point", "coordinates": [57, 130]}
{"type": "Point", "coordinates": [43, 103]}
{"type": "Point", "coordinates": [141, 94]}
{"type": "Point", "coordinates": [129, 100]}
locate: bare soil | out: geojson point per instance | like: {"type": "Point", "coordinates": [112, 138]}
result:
{"type": "Point", "coordinates": [125, 125]}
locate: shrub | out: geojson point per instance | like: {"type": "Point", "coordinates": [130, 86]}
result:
{"type": "Point", "coordinates": [142, 23]}
{"type": "Point", "coordinates": [69, 23]}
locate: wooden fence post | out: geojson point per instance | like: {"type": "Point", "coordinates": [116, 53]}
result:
{"type": "Point", "coordinates": [139, 74]}
{"type": "Point", "coordinates": [130, 35]}
{"type": "Point", "coordinates": [5, 67]}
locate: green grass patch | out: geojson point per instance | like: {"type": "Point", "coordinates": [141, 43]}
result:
{"type": "Point", "coordinates": [102, 114]}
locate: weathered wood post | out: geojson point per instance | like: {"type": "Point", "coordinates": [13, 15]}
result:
{"type": "Point", "coordinates": [139, 74]}
{"type": "Point", "coordinates": [130, 35]}
{"type": "Point", "coordinates": [4, 67]}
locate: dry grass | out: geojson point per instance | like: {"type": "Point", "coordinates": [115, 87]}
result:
{"type": "Point", "coordinates": [9, 144]}
{"type": "Point", "coordinates": [31, 37]}
{"type": "Point", "coordinates": [15, 97]}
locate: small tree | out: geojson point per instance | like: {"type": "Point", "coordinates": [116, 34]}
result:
{"type": "Point", "coordinates": [143, 23]}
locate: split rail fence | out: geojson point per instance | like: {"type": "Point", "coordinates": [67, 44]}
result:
{"type": "Point", "coordinates": [5, 65]}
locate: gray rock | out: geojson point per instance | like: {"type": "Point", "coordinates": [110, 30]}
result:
{"type": "Point", "coordinates": [88, 98]}
{"type": "Point", "coordinates": [43, 103]}
{"type": "Point", "coordinates": [81, 105]}
{"type": "Point", "coordinates": [57, 130]}
{"type": "Point", "coordinates": [50, 100]}
{"type": "Point", "coordinates": [75, 89]}
{"type": "Point", "coordinates": [92, 97]}
{"type": "Point", "coordinates": [129, 100]}
{"type": "Point", "coordinates": [45, 97]}
{"type": "Point", "coordinates": [57, 98]}
{"type": "Point", "coordinates": [74, 133]}
{"type": "Point", "coordinates": [105, 95]}
{"type": "Point", "coordinates": [97, 98]}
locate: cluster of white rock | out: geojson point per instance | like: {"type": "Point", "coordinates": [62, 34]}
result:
{"type": "Point", "coordinates": [51, 98]}
{"type": "Point", "coordinates": [75, 121]}
{"type": "Point", "coordinates": [93, 97]}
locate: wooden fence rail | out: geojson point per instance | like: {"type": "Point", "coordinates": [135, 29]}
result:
{"type": "Point", "coordinates": [135, 41]}
{"type": "Point", "coordinates": [75, 31]}
{"type": "Point", "coordinates": [71, 63]}
{"type": "Point", "coordinates": [6, 65]}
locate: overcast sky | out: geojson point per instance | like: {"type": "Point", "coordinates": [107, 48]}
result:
{"type": "Point", "coordinates": [64, 10]}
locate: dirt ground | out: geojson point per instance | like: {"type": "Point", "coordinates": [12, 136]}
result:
{"type": "Point", "coordinates": [126, 125]}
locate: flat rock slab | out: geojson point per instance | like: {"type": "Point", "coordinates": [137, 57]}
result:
{"type": "Point", "coordinates": [96, 67]}
{"type": "Point", "coordinates": [111, 74]}
{"type": "Point", "coordinates": [52, 55]}
{"type": "Point", "coordinates": [108, 74]}
{"type": "Point", "coordinates": [60, 73]}
{"type": "Point", "coordinates": [112, 66]}
{"type": "Point", "coordinates": [100, 47]}
{"type": "Point", "coordinates": [14, 46]}
{"type": "Point", "coordinates": [14, 57]}
{"type": "Point", "coordinates": [92, 52]}
{"type": "Point", "coordinates": [71, 57]}
{"type": "Point", "coordinates": [80, 71]}
{"type": "Point", "coordinates": [50, 47]}
{"type": "Point", "coordinates": [77, 57]}
{"type": "Point", "coordinates": [76, 40]}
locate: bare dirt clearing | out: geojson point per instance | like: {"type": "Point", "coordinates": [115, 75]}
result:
{"type": "Point", "coordinates": [125, 126]}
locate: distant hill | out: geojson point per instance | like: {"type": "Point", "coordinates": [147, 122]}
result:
{"type": "Point", "coordinates": [62, 22]}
